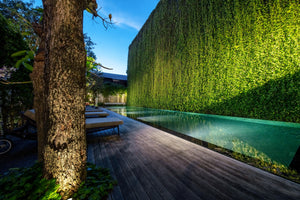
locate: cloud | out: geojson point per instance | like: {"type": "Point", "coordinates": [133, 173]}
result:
{"type": "Point", "coordinates": [126, 21]}
{"type": "Point", "coordinates": [123, 19]}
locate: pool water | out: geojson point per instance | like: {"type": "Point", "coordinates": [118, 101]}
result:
{"type": "Point", "coordinates": [269, 141]}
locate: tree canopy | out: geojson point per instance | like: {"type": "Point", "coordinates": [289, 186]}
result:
{"type": "Point", "coordinates": [22, 16]}
{"type": "Point", "coordinates": [14, 98]}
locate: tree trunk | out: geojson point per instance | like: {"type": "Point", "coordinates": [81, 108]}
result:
{"type": "Point", "coordinates": [37, 77]}
{"type": "Point", "coordinates": [65, 142]}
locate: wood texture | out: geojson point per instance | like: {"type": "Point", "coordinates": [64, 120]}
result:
{"type": "Point", "coordinates": [151, 164]}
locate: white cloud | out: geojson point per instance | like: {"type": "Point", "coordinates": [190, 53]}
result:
{"type": "Point", "coordinates": [122, 21]}
{"type": "Point", "coordinates": [121, 16]}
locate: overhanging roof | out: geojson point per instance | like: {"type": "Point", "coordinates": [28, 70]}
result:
{"type": "Point", "coordinates": [114, 76]}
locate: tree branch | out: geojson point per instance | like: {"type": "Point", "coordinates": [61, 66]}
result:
{"type": "Point", "coordinates": [14, 83]}
{"type": "Point", "coordinates": [92, 8]}
{"type": "Point", "coordinates": [98, 64]}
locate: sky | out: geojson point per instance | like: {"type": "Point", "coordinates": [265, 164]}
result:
{"type": "Point", "coordinates": [112, 44]}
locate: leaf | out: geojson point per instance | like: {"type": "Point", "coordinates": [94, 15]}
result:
{"type": "Point", "coordinates": [19, 53]}
{"type": "Point", "coordinates": [41, 10]}
{"type": "Point", "coordinates": [31, 54]}
{"type": "Point", "coordinates": [28, 66]}
{"type": "Point", "coordinates": [26, 58]}
{"type": "Point", "coordinates": [26, 33]}
{"type": "Point", "coordinates": [87, 9]}
{"type": "Point", "coordinates": [18, 63]}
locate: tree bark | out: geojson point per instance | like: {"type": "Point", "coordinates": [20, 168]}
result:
{"type": "Point", "coordinates": [65, 142]}
{"type": "Point", "coordinates": [37, 77]}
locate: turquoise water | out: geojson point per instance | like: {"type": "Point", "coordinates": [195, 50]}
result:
{"type": "Point", "coordinates": [270, 141]}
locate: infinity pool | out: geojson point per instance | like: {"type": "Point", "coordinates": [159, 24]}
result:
{"type": "Point", "coordinates": [269, 141]}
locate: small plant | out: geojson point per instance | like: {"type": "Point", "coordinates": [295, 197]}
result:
{"type": "Point", "coordinates": [27, 183]}
{"type": "Point", "coordinates": [98, 184]}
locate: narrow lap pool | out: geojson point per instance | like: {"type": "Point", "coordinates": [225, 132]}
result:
{"type": "Point", "coordinates": [268, 141]}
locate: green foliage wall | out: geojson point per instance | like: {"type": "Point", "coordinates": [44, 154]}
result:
{"type": "Point", "coordinates": [229, 57]}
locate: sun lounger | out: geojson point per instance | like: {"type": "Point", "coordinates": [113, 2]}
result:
{"type": "Point", "coordinates": [93, 109]}
{"type": "Point", "coordinates": [97, 124]}
{"type": "Point", "coordinates": [31, 114]}
{"type": "Point", "coordinates": [96, 114]}
{"type": "Point", "coordinates": [92, 124]}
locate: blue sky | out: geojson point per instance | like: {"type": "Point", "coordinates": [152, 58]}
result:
{"type": "Point", "coordinates": [112, 44]}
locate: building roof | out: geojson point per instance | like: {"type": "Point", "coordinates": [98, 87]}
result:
{"type": "Point", "coordinates": [114, 76]}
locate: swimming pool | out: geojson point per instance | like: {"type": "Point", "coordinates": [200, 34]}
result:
{"type": "Point", "coordinates": [269, 141]}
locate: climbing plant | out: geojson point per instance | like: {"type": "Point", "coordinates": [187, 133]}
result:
{"type": "Point", "coordinates": [229, 57]}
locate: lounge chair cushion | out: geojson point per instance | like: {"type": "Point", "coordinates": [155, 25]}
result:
{"type": "Point", "coordinates": [91, 109]}
{"type": "Point", "coordinates": [102, 122]}
{"type": "Point", "coordinates": [98, 114]}
{"type": "Point", "coordinates": [31, 114]}
{"type": "Point", "coordinates": [91, 123]}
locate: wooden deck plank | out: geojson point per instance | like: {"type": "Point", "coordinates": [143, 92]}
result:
{"type": "Point", "coordinates": [90, 153]}
{"type": "Point", "coordinates": [171, 163]}
{"type": "Point", "coordinates": [239, 178]}
{"type": "Point", "coordinates": [117, 193]}
{"type": "Point", "coordinates": [99, 157]}
{"type": "Point", "coordinates": [143, 170]}
{"type": "Point", "coordinates": [126, 190]}
{"type": "Point", "coordinates": [152, 164]}
{"type": "Point", "coordinates": [166, 157]}
{"type": "Point", "coordinates": [131, 187]}
{"type": "Point", "coordinates": [140, 174]}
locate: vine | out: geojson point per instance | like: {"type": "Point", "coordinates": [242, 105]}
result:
{"type": "Point", "coordinates": [232, 57]}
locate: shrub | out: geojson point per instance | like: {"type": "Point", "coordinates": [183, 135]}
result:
{"type": "Point", "coordinates": [27, 183]}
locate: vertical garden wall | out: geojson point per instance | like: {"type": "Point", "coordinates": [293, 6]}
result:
{"type": "Point", "coordinates": [228, 57]}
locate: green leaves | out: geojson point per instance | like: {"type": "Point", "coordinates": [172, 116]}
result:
{"type": "Point", "coordinates": [26, 59]}
{"type": "Point", "coordinates": [91, 65]}
{"type": "Point", "coordinates": [218, 57]}
{"type": "Point", "coordinates": [98, 184]}
{"type": "Point", "coordinates": [19, 53]}
{"type": "Point", "coordinates": [27, 183]}
{"type": "Point", "coordinates": [112, 89]}
{"type": "Point", "coordinates": [28, 66]}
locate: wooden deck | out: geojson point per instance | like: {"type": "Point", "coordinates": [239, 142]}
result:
{"type": "Point", "coordinates": [151, 164]}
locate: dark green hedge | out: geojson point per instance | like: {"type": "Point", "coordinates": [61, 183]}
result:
{"type": "Point", "coordinates": [229, 57]}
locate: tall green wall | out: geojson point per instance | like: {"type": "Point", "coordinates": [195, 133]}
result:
{"type": "Point", "coordinates": [228, 57]}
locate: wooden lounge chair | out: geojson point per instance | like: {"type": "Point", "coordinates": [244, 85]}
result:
{"type": "Point", "coordinates": [98, 124]}
{"type": "Point", "coordinates": [95, 114]}
{"type": "Point", "coordinates": [92, 124]}
{"type": "Point", "coordinates": [93, 109]}
{"type": "Point", "coordinates": [31, 114]}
